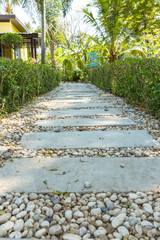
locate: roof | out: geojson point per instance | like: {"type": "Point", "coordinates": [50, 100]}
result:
{"type": "Point", "coordinates": [15, 21]}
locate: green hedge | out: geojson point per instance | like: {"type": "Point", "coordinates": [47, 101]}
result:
{"type": "Point", "coordinates": [137, 80]}
{"type": "Point", "coordinates": [21, 81]}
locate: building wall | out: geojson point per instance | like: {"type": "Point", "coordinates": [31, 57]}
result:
{"type": "Point", "coordinates": [5, 27]}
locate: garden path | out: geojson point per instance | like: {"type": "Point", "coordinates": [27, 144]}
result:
{"type": "Point", "coordinates": [82, 120]}
{"type": "Point", "coordinates": [70, 162]}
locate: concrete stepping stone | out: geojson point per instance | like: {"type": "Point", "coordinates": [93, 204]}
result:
{"type": "Point", "coordinates": [69, 174]}
{"type": "Point", "coordinates": [73, 105]}
{"type": "Point", "coordinates": [76, 91]}
{"type": "Point", "coordinates": [82, 112]}
{"type": "Point", "coordinates": [77, 94]}
{"type": "Point", "coordinates": [76, 88]}
{"type": "Point", "coordinates": [85, 122]}
{"type": "Point", "coordinates": [67, 101]}
{"type": "Point", "coordinates": [87, 139]}
{"type": "Point", "coordinates": [81, 98]}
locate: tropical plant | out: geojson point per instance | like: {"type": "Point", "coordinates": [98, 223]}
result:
{"type": "Point", "coordinates": [149, 42]}
{"type": "Point", "coordinates": [52, 26]}
{"type": "Point", "coordinates": [41, 8]}
{"type": "Point", "coordinates": [120, 21]}
{"type": "Point", "coordinates": [8, 5]}
{"type": "Point", "coordinates": [66, 6]}
{"type": "Point", "coordinates": [73, 44]}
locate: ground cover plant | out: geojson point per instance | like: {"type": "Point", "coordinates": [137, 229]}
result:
{"type": "Point", "coordinates": [21, 81]}
{"type": "Point", "coordinates": [137, 80]}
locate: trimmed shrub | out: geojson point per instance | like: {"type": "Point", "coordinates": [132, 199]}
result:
{"type": "Point", "coordinates": [12, 40]}
{"type": "Point", "coordinates": [21, 81]}
{"type": "Point", "coordinates": [137, 80]}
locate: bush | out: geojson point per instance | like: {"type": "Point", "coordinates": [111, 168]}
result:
{"type": "Point", "coordinates": [12, 40]}
{"type": "Point", "coordinates": [137, 80]}
{"type": "Point", "coordinates": [21, 81]}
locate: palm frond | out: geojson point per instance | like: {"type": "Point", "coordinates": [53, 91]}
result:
{"type": "Point", "coordinates": [133, 51]}
{"type": "Point", "coordinates": [66, 6]}
{"type": "Point", "coordinates": [89, 18]}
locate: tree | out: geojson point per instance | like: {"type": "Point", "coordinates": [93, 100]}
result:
{"type": "Point", "coordinates": [52, 25]}
{"type": "Point", "coordinates": [66, 6]}
{"type": "Point", "coordinates": [8, 5]}
{"type": "Point", "coordinates": [75, 44]}
{"type": "Point", "coordinates": [41, 7]}
{"type": "Point", "coordinates": [119, 21]}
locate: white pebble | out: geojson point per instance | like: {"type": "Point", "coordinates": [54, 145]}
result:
{"type": "Point", "coordinates": [4, 218]}
{"type": "Point", "coordinates": [69, 236]}
{"type": "Point", "coordinates": [40, 233]}
{"type": "Point", "coordinates": [78, 214]}
{"type": "Point", "coordinates": [118, 220]}
{"type": "Point", "coordinates": [133, 196]}
{"type": "Point", "coordinates": [19, 225]}
{"type": "Point", "coordinates": [55, 230]}
{"type": "Point", "coordinates": [21, 214]}
{"type": "Point", "coordinates": [96, 212]}
{"type": "Point", "coordinates": [44, 224]}
{"type": "Point", "coordinates": [15, 234]}
{"type": "Point", "coordinates": [148, 208]}
{"type": "Point", "coordinates": [68, 215]}
{"type": "Point", "coordinates": [123, 231]}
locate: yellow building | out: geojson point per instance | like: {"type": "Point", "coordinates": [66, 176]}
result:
{"type": "Point", "coordinates": [10, 23]}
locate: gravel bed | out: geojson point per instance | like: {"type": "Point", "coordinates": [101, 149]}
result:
{"type": "Point", "coordinates": [76, 216]}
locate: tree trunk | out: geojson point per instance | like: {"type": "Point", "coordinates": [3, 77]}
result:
{"type": "Point", "coordinates": [52, 53]}
{"type": "Point", "coordinates": [112, 56]}
{"type": "Point", "coordinates": [43, 41]}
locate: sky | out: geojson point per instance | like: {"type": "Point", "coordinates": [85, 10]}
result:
{"type": "Point", "coordinates": [77, 7]}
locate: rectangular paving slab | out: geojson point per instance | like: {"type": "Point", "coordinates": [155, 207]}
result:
{"type": "Point", "coordinates": [87, 139]}
{"type": "Point", "coordinates": [76, 91]}
{"type": "Point", "coordinates": [67, 101]}
{"type": "Point", "coordinates": [82, 112]}
{"type": "Point", "coordinates": [104, 174]}
{"type": "Point", "coordinates": [84, 122]}
{"type": "Point", "coordinates": [77, 94]}
{"type": "Point", "coordinates": [94, 104]}
{"type": "Point", "coordinates": [75, 88]}
{"type": "Point", "coordinates": [80, 99]}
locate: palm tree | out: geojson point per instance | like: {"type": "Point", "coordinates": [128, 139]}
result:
{"type": "Point", "coordinates": [66, 6]}
{"type": "Point", "coordinates": [41, 6]}
{"type": "Point", "coordinates": [118, 21]}
{"type": "Point", "coordinates": [52, 25]}
{"type": "Point", "coordinates": [8, 5]}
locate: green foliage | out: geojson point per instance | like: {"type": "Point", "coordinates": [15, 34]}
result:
{"type": "Point", "coordinates": [149, 42]}
{"type": "Point", "coordinates": [21, 81]}
{"type": "Point", "coordinates": [66, 6]}
{"type": "Point", "coordinates": [12, 40]}
{"type": "Point", "coordinates": [8, 5]}
{"type": "Point", "coordinates": [67, 70]}
{"type": "Point", "coordinates": [137, 80]}
{"type": "Point", "coordinates": [119, 22]}
{"type": "Point", "coordinates": [71, 73]}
